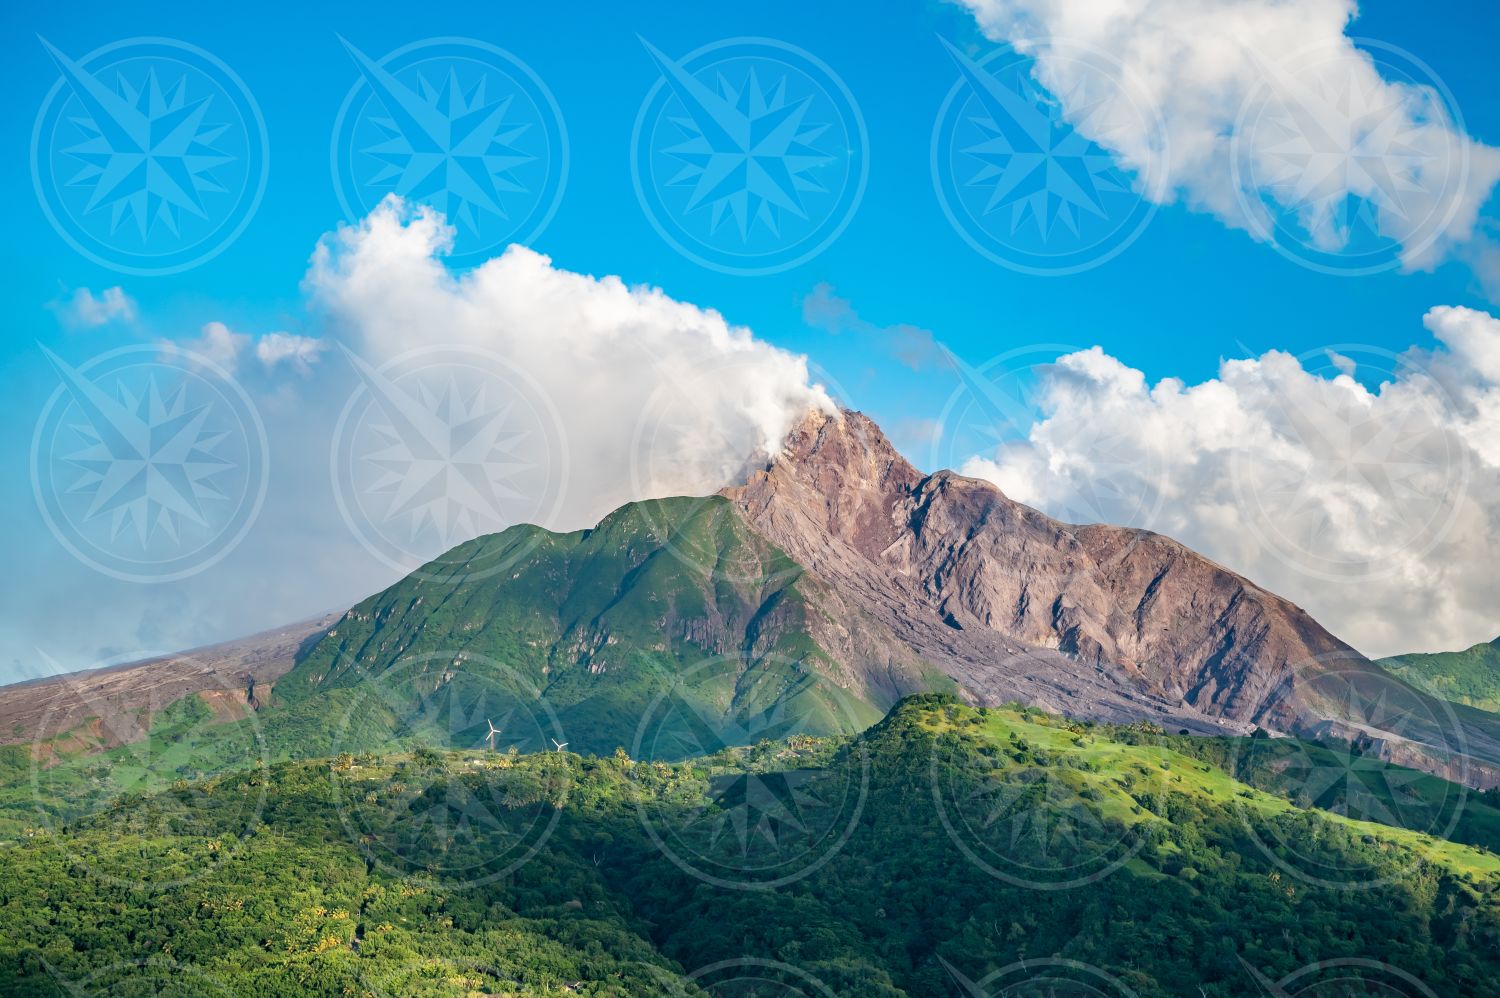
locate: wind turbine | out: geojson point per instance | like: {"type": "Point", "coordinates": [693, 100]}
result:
{"type": "Point", "coordinates": [560, 745]}
{"type": "Point", "coordinates": [493, 732]}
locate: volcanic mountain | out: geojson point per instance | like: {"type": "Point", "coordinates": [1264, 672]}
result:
{"type": "Point", "coordinates": [833, 580]}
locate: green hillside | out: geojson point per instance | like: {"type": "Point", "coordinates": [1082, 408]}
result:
{"type": "Point", "coordinates": [1471, 676]}
{"type": "Point", "coordinates": [947, 843]}
{"type": "Point", "coordinates": [671, 609]}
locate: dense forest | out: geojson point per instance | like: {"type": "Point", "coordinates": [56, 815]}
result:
{"type": "Point", "coordinates": [947, 851]}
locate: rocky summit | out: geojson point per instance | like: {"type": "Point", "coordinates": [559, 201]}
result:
{"type": "Point", "coordinates": [1089, 620]}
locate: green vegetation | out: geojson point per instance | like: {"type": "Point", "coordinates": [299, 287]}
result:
{"type": "Point", "coordinates": [669, 598]}
{"type": "Point", "coordinates": [1470, 677]}
{"type": "Point", "coordinates": [1337, 777]}
{"type": "Point", "coordinates": [882, 861]}
{"type": "Point", "coordinates": [74, 773]}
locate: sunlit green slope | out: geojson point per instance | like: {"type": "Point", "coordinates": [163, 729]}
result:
{"type": "Point", "coordinates": [945, 844]}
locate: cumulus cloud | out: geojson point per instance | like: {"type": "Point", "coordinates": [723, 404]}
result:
{"type": "Point", "coordinates": [218, 343]}
{"type": "Point", "coordinates": [298, 352]}
{"type": "Point", "coordinates": [649, 396]}
{"type": "Point", "coordinates": [223, 346]}
{"type": "Point", "coordinates": [83, 310]}
{"type": "Point", "coordinates": [1361, 484]}
{"type": "Point", "coordinates": [1269, 115]}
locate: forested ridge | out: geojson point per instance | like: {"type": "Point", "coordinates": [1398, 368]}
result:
{"type": "Point", "coordinates": [928, 856]}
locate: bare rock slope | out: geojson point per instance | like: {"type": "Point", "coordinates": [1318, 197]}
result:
{"type": "Point", "coordinates": [118, 701]}
{"type": "Point", "coordinates": [1091, 620]}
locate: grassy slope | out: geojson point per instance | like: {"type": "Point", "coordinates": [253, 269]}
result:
{"type": "Point", "coordinates": [1471, 676]}
{"type": "Point", "coordinates": [298, 908]}
{"type": "Point", "coordinates": [1111, 768]}
{"type": "Point", "coordinates": [606, 620]}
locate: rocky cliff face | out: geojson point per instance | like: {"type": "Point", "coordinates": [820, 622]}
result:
{"type": "Point", "coordinates": [1087, 619]}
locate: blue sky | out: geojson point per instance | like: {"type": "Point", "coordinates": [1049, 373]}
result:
{"type": "Point", "coordinates": [1187, 293]}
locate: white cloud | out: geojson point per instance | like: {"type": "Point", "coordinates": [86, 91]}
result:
{"type": "Point", "coordinates": [1364, 486]}
{"type": "Point", "coordinates": [654, 396]}
{"type": "Point", "coordinates": [82, 310]}
{"type": "Point", "coordinates": [299, 352]}
{"type": "Point", "coordinates": [1473, 338]}
{"type": "Point", "coordinates": [1268, 111]}
{"type": "Point", "coordinates": [220, 344]}
{"type": "Point", "coordinates": [225, 347]}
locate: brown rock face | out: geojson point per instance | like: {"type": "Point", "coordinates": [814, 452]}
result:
{"type": "Point", "coordinates": [118, 702]}
{"type": "Point", "coordinates": [1089, 620]}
